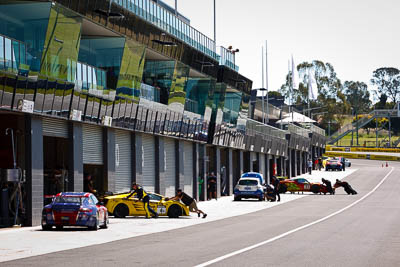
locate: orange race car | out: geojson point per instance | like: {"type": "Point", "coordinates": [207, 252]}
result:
{"type": "Point", "coordinates": [301, 185]}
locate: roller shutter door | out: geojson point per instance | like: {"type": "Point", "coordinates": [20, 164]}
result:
{"type": "Point", "coordinates": [55, 128]}
{"type": "Point", "coordinates": [123, 159]}
{"type": "Point", "coordinates": [169, 148]}
{"type": "Point", "coordinates": [92, 144]}
{"type": "Point", "coordinates": [149, 163]}
{"type": "Point", "coordinates": [188, 168]}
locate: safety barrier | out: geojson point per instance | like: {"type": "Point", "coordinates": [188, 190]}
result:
{"type": "Point", "coordinates": [362, 156]}
{"type": "Point", "coordinates": [362, 149]}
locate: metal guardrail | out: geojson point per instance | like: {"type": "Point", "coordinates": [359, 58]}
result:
{"type": "Point", "coordinates": [298, 130]}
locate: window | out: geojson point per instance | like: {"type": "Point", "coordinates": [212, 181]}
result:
{"type": "Point", "coordinates": [154, 197]}
{"type": "Point", "coordinates": [84, 77]}
{"type": "Point", "coordinates": [1, 52]}
{"type": "Point", "coordinates": [67, 199]}
{"type": "Point", "coordinates": [248, 182]}
{"type": "Point", "coordinates": [8, 58]}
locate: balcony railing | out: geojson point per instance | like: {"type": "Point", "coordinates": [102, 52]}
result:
{"type": "Point", "coordinates": [227, 58]}
{"type": "Point", "coordinates": [91, 79]}
{"type": "Point", "coordinates": [169, 22]}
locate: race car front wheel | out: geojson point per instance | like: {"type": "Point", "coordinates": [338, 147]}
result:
{"type": "Point", "coordinates": [121, 211]}
{"type": "Point", "coordinates": [174, 211]}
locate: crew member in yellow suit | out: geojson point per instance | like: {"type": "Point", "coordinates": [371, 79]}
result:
{"type": "Point", "coordinates": [142, 195]}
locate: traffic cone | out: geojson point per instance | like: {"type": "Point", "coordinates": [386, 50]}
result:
{"type": "Point", "coordinates": [387, 165]}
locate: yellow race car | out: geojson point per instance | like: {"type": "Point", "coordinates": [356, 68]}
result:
{"type": "Point", "coordinates": [120, 207]}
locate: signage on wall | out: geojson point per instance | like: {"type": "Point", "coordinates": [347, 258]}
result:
{"type": "Point", "coordinates": [76, 115]}
{"type": "Point", "coordinates": [106, 121]}
{"type": "Point", "coordinates": [25, 105]}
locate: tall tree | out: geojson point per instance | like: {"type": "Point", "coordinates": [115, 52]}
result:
{"type": "Point", "coordinates": [357, 95]}
{"type": "Point", "coordinates": [387, 81]}
{"type": "Point", "coordinates": [329, 85]}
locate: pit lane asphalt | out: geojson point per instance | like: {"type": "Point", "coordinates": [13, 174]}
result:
{"type": "Point", "coordinates": [364, 235]}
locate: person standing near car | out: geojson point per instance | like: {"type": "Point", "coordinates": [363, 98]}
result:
{"type": "Point", "coordinates": [188, 201]}
{"type": "Point", "coordinates": [276, 184]}
{"type": "Point", "coordinates": [212, 186]}
{"type": "Point", "coordinates": [343, 161]}
{"type": "Point", "coordinates": [142, 195]}
{"type": "Point", "coordinates": [309, 166]}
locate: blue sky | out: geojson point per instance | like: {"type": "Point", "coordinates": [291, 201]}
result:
{"type": "Point", "coordinates": [355, 36]}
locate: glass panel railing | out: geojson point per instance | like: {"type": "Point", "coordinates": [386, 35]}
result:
{"type": "Point", "coordinates": [227, 58]}
{"type": "Point", "coordinates": [13, 56]}
{"type": "Point", "coordinates": [90, 79]}
{"type": "Point", "coordinates": [162, 18]}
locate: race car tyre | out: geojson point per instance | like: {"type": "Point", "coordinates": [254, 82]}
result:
{"type": "Point", "coordinates": [59, 227]}
{"type": "Point", "coordinates": [105, 226]}
{"type": "Point", "coordinates": [96, 224]}
{"type": "Point", "coordinates": [315, 189]}
{"type": "Point", "coordinates": [282, 189]}
{"type": "Point", "coordinates": [260, 199]}
{"type": "Point", "coordinates": [174, 211]}
{"type": "Point", "coordinates": [236, 198]}
{"type": "Point", "coordinates": [46, 227]}
{"type": "Point", "coordinates": [121, 211]}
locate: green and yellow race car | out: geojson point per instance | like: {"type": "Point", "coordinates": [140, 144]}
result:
{"type": "Point", "coordinates": [121, 207]}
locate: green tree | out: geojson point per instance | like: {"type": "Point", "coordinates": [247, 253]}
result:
{"type": "Point", "coordinates": [387, 81]}
{"type": "Point", "coordinates": [357, 96]}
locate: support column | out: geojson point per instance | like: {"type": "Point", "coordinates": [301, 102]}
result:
{"type": "Point", "coordinates": [195, 171]}
{"type": "Point", "coordinates": [294, 163]}
{"type": "Point", "coordinates": [218, 169]}
{"type": "Point", "coordinates": [203, 171]}
{"type": "Point", "coordinates": [133, 158]}
{"type": "Point", "coordinates": [301, 162]}
{"type": "Point", "coordinates": [229, 172]}
{"type": "Point", "coordinates": [109, 157]}
{"type": "Point", "coordinates": [241, 164]}
{"type": "Point", "coordinates": [267, 169]}
{"type": "Point", "coordinates": [34, 170]}
{"type": "Point", "coordinates": [75, 157]}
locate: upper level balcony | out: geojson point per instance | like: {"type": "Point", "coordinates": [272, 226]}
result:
{"type": "Point", "coordinates": [171, 23]}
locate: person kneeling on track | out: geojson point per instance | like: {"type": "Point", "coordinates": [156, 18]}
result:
{"type": "Point", "coordinates": [188, 201]}
{"type": "Point", "coordinates": [328, 185]}
{"type": "Point", "coordinates": [142, 195]}
{"type": "Point", "coordinates": [270, 193]}
{"type": "Point", "coordinates": [346, 186]}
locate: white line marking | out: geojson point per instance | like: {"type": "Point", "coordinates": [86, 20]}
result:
{"type": "Point", "coordinates": [294, 230]}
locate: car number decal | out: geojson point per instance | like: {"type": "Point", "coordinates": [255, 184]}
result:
{"type": "Point", "coordinates": [307, 186]}
{"type": "Point", "coordinates": [161, 209]}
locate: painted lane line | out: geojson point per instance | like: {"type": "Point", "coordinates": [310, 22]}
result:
{"type": "Point", "coordinates": [296, 229]}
